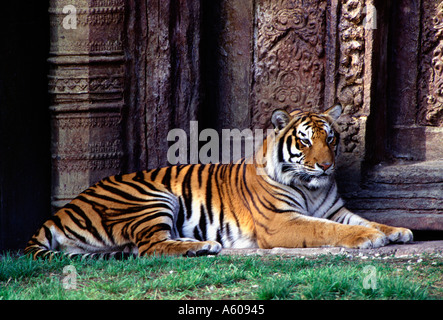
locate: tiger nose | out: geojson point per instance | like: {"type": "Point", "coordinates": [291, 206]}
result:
{"type": "Point", "coordinates": [325, 166]}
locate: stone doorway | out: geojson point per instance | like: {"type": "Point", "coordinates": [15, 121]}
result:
{"type": "Point", "coordinates": [415, 72]}
{"type": "Point", "coordinates": [404, 175]}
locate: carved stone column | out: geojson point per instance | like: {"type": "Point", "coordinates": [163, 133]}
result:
{"type": "Point", "coordinates": [86, 83]}
{"type": "Point", "coordinates": [431, 67]}
{"type": "Point", "coordinates": [353, 89]}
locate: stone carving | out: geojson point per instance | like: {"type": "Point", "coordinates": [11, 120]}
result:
{"type": "Point", "coordinates": [91, 16]}
{"type": "Point", "coordinates": [431, 80]}
{"type": "Point", "coordinates": [351, 61]}
{"type": "Point", "coordinates": [350, 77]}
{"type": "Point", "coordinates": [99, 27]}
{"type": "Point", "coordinates": [86, 85]}
{"type": "Point", "coordinates": [81, 150]}
{"type": "Point", "coordinates": [82, 123]}
{"type": "Point", "coordinates": [289, 57]}
{"type": "Point", "coordinates": [290, 64]}
{"type": "Point", "coordinates": [88, 46]}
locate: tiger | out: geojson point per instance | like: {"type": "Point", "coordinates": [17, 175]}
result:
{"type": "Point", "coordinates": [286, 196]}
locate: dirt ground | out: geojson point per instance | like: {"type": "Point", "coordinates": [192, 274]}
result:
{"type": "Point", "coordinates": [396, 250]}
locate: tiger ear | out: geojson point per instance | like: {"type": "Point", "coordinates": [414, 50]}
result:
{"type": "Point", "coordinates": [334, 112]}
{"type": "Point", "coordinates": [280, 119]}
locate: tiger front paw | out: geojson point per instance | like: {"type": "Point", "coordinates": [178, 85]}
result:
{"type": "Point", "coordinates": [394, 234]}
{"type": "Point", "coordinates": [402, 235]}
{"type": "Point", "coordinates": [203, 248]}
{"type": "Point", "coordinates": [366, 238]}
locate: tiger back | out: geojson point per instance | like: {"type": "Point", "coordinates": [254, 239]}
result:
{"type": "Point", "coordinates": [285, 196]}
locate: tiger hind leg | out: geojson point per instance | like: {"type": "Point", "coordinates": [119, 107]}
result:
{"type": "Point", "coordinates": [153, 229]}
{"type": "Point", "coordinates": [156, 240]}
{"type": "Point", "coordinates": [65, 235]}
{"type": "Point", "coordinates": [178, 247]}
{"type": "Point", "coordinates": [38, 250]}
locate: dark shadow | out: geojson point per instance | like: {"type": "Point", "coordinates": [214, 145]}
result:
{"type": "Point", "coordinates": [24, 121]}
{"type": "Point", "coordinates": [427, 235]}
{"type": "Point", "coordinates": [211, 26]}
{"type": "Point", "coordinates": [392, 132]}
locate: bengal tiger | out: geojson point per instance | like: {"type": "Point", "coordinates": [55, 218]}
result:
{"type": "Point", "coordinates": [285, 197]}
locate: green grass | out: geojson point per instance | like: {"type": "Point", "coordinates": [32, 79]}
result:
{"type": "Point", "coordinates": [223, 277]}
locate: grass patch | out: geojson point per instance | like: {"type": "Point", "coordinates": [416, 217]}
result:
{"type": "Point", "coordinates": [223, 277]}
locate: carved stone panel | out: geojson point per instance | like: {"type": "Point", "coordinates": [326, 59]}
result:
{"type": "Point", "coordinates": [431, 79]}
{"type": "Point", "coordinates": [351, 57]}
{"type": "Point", "coordinates": [289, 57]}
{"type": "Point", "coordinates": [292, 51]}
{"type": "Point", "coordinates": [353, 87]}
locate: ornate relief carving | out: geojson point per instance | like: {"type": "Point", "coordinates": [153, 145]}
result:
{"type": "Point", "coordinates": [350, 133]}
{"type": "Point", "coordinates": [350, 90]}
{"type": "Point", "coordinates": [431, 67]}
{"type": "Point", "coordinates": [86, 84]}
{"type": "Point", "coordinates": [73, 122]}
{"type": "Point", "coordinates": [73, 139]}
{"type": "Point", "coordinates": [289, 61]}
{"type": "Point", "coordinates": [91, 16]}
{"type": "Point", "coordinates": [87, 46]}
{"type": "Point", "coordinates": [351, 61]}
{"type": "Point", "coordinates": [99, 84]}
{"type": "Point", "coordinates": [95, 21]}
{"type": "Point", "coordinates": [289, 57]}
{"type": "Point", "coordinates": [90, 151]}
{"type": "Point", "coordinates": [69, 166]}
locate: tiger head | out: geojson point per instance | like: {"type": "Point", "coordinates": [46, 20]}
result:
{"type": "Point", "coordinates": [304, 148]}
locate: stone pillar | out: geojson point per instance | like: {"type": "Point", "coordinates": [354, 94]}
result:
{"type": "Point", "coordinates": [353, 87]}
{"type": "Point", "coordinates": [86, 82]}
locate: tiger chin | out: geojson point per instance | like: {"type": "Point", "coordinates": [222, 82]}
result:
{"type": "Point", "coordinates": [285, 196]}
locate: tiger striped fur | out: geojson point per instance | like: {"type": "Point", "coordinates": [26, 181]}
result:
{"type": "Point", "coordinates": [285, 197]}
